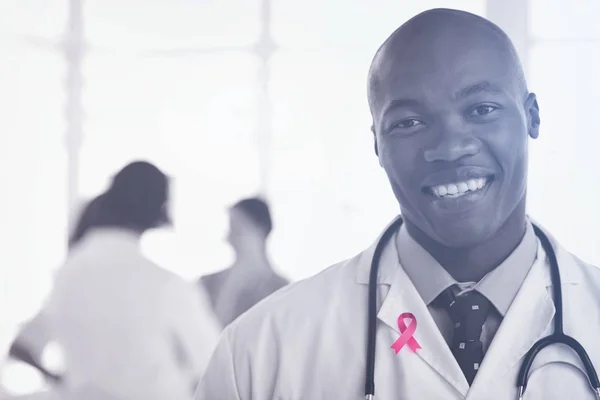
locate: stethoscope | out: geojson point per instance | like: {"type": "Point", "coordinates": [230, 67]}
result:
{"type": "Point", "coordinates": [557, 337]}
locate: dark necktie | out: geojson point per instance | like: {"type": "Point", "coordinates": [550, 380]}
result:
{"type": "Point", "coordinates": [468, 313]}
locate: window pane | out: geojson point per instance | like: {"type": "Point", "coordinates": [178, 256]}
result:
{"type": "Point", "coordinates": [192, 116]}
{"type": "Point", "coordinates": [559, 19]}
{"type": "Point", "coordinates": [564, 184]}
{"type": "Point", "coordinates": [330, 197]}
{"type": "Point", "coordinates": [356, 24]}
{"type": "Point", "coordinates": [42, 18]}
{"type": "Point", "coordinates": [33, 210]}
{"type": "Point", "coordinates": [173, 24]}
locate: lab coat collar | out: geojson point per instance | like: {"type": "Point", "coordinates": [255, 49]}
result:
{"type": "Point", "coordinates": [526, 321]}
{"type": "Point", "coordinates": [570, 273]}
{"type": "Point", "coordinates": [386, 270]}
{"type": "Point", "coordinates": [404, 297]}
{"type": "Point", "coordinates": [529, 318]}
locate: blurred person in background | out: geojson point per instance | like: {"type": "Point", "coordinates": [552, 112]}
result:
{"type": "Point", "coordinates": [34, 337]}
{"type": "Point", "coordinates": [86, 221]}
{"type": "Point", "coordinates": [127, 326]}
{"type": "Point", "coordinates": [251, 278]}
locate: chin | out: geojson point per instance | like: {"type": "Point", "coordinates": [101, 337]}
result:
{"type": "Point", "coordinates": [464, 233]}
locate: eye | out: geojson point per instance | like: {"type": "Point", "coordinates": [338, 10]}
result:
{"type": "Point", "coordinates": [482, 110]}
{"type": "Point", "coordinates": [407, 123]}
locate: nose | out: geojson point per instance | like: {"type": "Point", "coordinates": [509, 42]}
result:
{"type": "Point", "coordinates": [453, 147]}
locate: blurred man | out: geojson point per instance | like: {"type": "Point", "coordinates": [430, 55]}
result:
{"type": "Point", "coordinates": [251, 278]}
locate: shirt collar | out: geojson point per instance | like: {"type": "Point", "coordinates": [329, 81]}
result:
{"type": "Point", "coordinates": [500, 286]}
{"type": "Point", "coordinates": [428, 276]}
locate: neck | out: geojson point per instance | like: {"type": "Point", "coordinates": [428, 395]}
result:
{"type": "Point", "coordinates": [252, 255]}
{"type": "Point", "coordinates": [471, 264]}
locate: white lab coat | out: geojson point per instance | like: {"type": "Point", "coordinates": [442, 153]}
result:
{"type": "Point", "coordinates": [307, 341]}
{"type": "Point", "coordinates": [127, 326]}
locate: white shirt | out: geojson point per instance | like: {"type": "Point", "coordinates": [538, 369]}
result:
{"type": "Point", "coordinates": [127, 326]}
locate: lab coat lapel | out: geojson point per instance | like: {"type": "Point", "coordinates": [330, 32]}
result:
{"type": "Point", "coordinates": [403, 297]}
{"type": "Point", "coordinates": [526, 322]}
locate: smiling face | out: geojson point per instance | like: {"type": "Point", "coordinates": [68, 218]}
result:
{"type": "Point", "coordinates": [451, 117]}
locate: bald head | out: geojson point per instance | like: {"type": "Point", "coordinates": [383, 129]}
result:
{"type": "Point", "coordinates": [437, 37]}
{"type": "Point", "coordinates": [451, 121]}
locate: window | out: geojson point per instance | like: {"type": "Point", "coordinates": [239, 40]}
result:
{"type": "Point", "coordinates": [562, 20]}
{"type": "Point", "coordinates": [564, 60]}
{"type": "Point", "coordinates": [314, 24]}
{"type": "Point", "coordinates": [193, 116]}
{"type": "Point", "coordinates": [564, 184]}
{"type": "Point", "coordinates": [39, 21]}
{"type": "Point", "coordinates": [140, 25]}
{"type": "Point", "coordinates": [173, 82]}
{"type": "Point", "coordinates": [33, 173]}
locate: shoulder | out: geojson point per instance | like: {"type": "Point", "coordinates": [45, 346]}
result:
{"type": "Point", "coordinates": [211, 280]}
{"type": "Point", "coordinates": [311, 303]}
{"type": "Point", "coordinates": [170, 281]}
{"type": "Point", "coordinates": [266, 347]}
{"type": "Point", "coordinates": [212, 283]}
{"type": "Point", "coordinates": [586, 272]}
{"type": "Point", "coordinates": [573, 270]}
{"type": "Point", "coordinates": [580, 278]}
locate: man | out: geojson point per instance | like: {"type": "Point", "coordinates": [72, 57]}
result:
{"type": "Point", "coordinates": [452, 116]}
{"type": "Point", "coordinates": [251, 278]}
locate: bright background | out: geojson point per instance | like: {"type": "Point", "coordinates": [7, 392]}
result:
{"type": "Point", "coordinates": [177, 83]}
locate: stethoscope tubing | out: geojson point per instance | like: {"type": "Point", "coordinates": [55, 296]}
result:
{"type": "Point", "coordinates": [557, 336]}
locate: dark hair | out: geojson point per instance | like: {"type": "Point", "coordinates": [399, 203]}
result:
{"type": "Point", "coordinates": [85, 221]}
{"type": "Point", "coordinates": [136, 199]}
{"type": "Point", "coordinates": [258, 211]}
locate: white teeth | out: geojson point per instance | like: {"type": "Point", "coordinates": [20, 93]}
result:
{"type": "Point", "coordinates": [459, 188]}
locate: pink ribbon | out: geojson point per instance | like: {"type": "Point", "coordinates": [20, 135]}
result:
{"type": "Point", "coordinates": [406, 333]}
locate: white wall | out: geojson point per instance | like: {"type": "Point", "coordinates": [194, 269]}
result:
{"type": "Point", "coordinates": [564, 180]}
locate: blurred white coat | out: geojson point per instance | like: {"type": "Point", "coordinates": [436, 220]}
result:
{"type": "Point", "coordinates": [126, 325]}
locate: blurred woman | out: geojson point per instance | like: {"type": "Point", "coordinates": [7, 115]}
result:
{"type": "Point", "coordinates": [126, 325]}
{"type": "Point", "coordinates": [31, 341]}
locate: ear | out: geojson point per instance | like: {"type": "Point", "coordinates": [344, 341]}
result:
{"type": "Point", "coordinates": [376, 144]}
{"type": "Point", "coordinates": [375, 140]}
{"type": "Point", "coordinates": [533, 116]}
